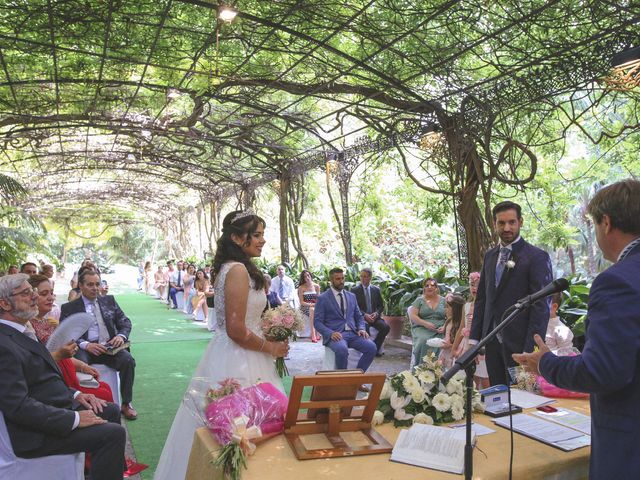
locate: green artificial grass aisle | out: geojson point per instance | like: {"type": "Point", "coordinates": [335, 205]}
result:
{"type": "Point", "coordinates": [167, 347]}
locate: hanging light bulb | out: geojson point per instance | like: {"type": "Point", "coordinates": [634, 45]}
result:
{"type": "Point", "coordinates": [227, 13]}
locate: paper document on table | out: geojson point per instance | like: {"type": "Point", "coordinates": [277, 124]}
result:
{"type": "Point", "coordinates": [568, 418]}
{"type": "Point", "coordinates": [526, 399]}
{"type": "Point", "coordinates": [427, 446]}
{"type": "Point", "coordinates": [476, 429]}
{"type": "Point", "coordinates": [547, 432]}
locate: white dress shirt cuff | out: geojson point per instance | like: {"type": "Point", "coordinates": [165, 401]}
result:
{"type": "Point", "coordinates": [83, 345]}
{"type": "Point", "coordinates": [76, 422]}
{"type": "Point", "coordinates": [473, 342]}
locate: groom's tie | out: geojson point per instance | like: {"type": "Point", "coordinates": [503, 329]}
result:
{"type": "Point", "coordinates": [502, 261]}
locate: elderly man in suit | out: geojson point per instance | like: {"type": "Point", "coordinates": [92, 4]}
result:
{"type": "Point", "coordinates": [371, 305]}
{"type": "Point", "coordinates": [609, 366]}
{"type": "Point", "coordinates": [339, 320]}
{"type": "Point", "coordinates": [43, 416]}
{"type": "Point", "coordinates": [110, 330]}
{"type": "Point", "coordinates": [512, 270]}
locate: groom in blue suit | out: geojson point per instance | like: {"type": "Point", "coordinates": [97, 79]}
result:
{"type": "Point", "coordinates": [512, 270]}
{"type": "Point", "coordinates": [609, 366]}
{"type": "Point", "coordinates": [340, 321]}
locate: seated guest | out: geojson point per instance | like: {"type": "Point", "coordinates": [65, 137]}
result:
{"type": "Point", "coordinates": [341, 324]}
{"type": "Point", "coordinates": [43, 416]}
{"type": "Point", "coordinates": [308, 293]}
{"type": "Point", "coordinates": [110, 330]}
{"type": "Point", "coordinates": [454, 312]}
{"type": "Point", "coordinates": [202, 292]}
{"type": "Point", "coordinates": [75, 292]}
{"type": "Point", "coordinates": [43, 327]}
{"type": "Point", "coordinates": [160, 284]}
{"type": "Point", "coordinates": [272, 297]}
{"type": "Point", "coordinates": [283, 286]}
{"type": "Point", "coordinates": [559, 337]}
{"type": "Point", "coordinates": [427, 320]}
{"type": "Point", "coordinates": [370, 302]}
{"type": "Point", "coordinates": [176, 283]}
{"type": "Point", "coordinates": [29, 268]}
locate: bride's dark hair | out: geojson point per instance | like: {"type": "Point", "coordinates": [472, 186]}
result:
{"type": "Point", "coordinates": [240, 224]}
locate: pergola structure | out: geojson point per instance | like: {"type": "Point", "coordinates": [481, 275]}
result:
{"type": "Point", "coordinates": [127, 103]}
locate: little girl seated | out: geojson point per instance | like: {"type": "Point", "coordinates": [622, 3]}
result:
{"type": "Point", "coordinates": [559, 337]}
{"type": "Point", "coordinates": [454, 311]}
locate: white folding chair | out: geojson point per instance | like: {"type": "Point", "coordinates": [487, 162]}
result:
{"type": "Point", "coordinates": [70, 466]}
{"type": "Point", "coordinates": [112, 378]}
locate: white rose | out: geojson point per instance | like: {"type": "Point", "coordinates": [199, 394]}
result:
{"type": "Point", "coordinates": [378, 418]}
{"type": "Point", "coordinates": [397, 401]}
{"type": "Point", "coordinates": [400, 414]}
{"type": "Point", "coordinates": [417, 395]}
{"type": "Point", "coordinates": [452, 387]}
{"type": "Point", "coordinates": [442, 402]}
{"type": "Point", "coordinates": [423, 418]}
{"type": "Point", "coordinates": [460, 376]}
{"type": "Point", "coordinates": [457, 412]}
{"type": "Point", "coordinates": [386, 390]}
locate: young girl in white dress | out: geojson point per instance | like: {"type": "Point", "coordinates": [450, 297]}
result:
{"type": "Point", "coordinates": [238, 349]}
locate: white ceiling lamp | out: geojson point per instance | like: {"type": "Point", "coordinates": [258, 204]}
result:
{"type": "Point", "coordinates": [227, 13]}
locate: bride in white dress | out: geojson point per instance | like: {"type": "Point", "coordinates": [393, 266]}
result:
{"type": "Point", "coordinates": [238, 349]}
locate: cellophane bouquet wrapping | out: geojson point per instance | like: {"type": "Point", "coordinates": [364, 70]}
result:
{"type": "Point", "coordinates": [279, 324]}
{"type": "Point", "coordinates": [238, 417]}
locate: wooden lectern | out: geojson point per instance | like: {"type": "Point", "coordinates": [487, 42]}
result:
{"type": "Point", "coordinates": [333, 409]}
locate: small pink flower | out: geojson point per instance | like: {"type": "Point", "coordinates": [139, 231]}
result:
{"type": "Point", "coordinates": [288, 321]}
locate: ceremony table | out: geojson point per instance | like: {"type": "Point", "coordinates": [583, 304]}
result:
{"type": "Point", "coordinates": [274, 459]}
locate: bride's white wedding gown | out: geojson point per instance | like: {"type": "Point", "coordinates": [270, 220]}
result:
{"type": "Point", "coordinates": [222, 359]}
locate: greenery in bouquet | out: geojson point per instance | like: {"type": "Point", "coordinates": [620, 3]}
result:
{"type": "Point", "coordinates": [418, 396]}
{"type": "Point", "coordinates": [280, 324]}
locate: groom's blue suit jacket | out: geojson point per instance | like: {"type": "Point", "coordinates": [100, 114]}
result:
{"type": "Point", "coordinates": [609, 369]}
{"type": "Point", "coordinates": [328, 318]}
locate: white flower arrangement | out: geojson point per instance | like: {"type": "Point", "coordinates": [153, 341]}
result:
{"type": "Point", "coordinates": [510, 264]}
{"type": "Point", "coordinates": [420, 397]}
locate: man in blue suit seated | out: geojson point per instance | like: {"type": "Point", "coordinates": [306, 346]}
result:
{"type": "Point", "coordinates": [609, 366]}
{"type": "Point", "coordinates": [340, 321]}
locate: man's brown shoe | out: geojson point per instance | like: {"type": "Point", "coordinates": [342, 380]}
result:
{"type": "Point", "coordinates": [128, 411]}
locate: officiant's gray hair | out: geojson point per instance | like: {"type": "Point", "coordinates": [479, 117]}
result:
{"type": "Point", "coordinates": [9, 283]}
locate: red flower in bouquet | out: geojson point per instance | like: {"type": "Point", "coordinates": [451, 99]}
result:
{"type": "Point", "coordinates": [279, 324]}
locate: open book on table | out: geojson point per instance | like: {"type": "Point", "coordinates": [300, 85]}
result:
{"type": "Point", "coordinates": [440, 448]}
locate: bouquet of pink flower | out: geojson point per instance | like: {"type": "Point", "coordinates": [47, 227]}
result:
{"type": "Point", "coordinates": [243, 418]}
{"type": "Point", "coordinates": [279, 324]}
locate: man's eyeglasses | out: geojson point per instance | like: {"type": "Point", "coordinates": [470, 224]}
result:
{"type": "Point", "coordinates": [27, 292]}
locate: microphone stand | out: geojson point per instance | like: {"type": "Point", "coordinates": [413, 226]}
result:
{"type": "Point", "coordinates": [467, 363]}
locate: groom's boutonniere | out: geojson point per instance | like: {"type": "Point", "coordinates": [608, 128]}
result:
{"type": "Point", "coordinates": [510, 264]}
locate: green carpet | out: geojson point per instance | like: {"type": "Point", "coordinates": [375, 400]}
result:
{"type": "Point", "coordinates": [167, 347]}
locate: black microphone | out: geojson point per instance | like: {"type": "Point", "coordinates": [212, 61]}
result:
{"type": "Point", "coordinates": [554, 287]}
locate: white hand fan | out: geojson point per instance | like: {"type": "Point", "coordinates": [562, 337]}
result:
{"type": "Point", "coordinates": [72, 328]}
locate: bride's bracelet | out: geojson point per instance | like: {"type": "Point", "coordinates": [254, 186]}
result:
{"type": "Point", "coordinates": [262, 344]}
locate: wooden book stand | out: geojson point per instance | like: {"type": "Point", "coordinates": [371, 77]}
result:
{"type": "Point", "coordinates": [332, 410]}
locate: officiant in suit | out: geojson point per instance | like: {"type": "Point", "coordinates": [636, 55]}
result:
{"type": "Point", "coordinates": [371, 305]}
{"type": "Point", "coordinates": [511, 270]}
{"type": "Point", "coordinates": [43, 416]}
{"type": "Point", "coordinates": [609, 366]}
{"type": "Point", "coordinates": [341, 324]}
{"type": "Point", "coordinates": [112, 327]}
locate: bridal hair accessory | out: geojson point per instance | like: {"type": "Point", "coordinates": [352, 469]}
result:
{"type": "Point", "coordinates": [510, 264]}
{"type": "Point", "coordinates": [248, 212]}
